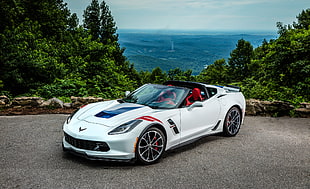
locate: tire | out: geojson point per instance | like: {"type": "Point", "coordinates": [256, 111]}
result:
{"type": "Point", "coordinates": [151, 146]}
{"type": "Point", "coordinates": [232, 122]}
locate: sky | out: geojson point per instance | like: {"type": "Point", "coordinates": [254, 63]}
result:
{"type": "Point", "coordinates": [209, 15]}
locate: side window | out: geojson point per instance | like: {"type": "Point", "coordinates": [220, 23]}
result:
{"type": "Point", "coordinates": [204, 94]}
{"type": "Point", "coordinates": [211, 91]}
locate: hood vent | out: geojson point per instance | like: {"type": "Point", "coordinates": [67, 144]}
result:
{"type": "Point", "coordinates": [111, 113]}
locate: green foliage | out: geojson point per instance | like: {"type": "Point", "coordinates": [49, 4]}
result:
{"type": "Point", "coordinates": [26, 62]}
{"type": "Point", "coordinates": [216, 73]}
{"type": "Point", "coordinates": [62, 87]}
{"type": "Point", "coordinates": [240, 60]}
{"type": "Point", "coordinates": [178, 74]}
{"type": "Point", "coordinates": [277, 70]}
{"type": "Point", "coordinates": [252, 88]}
{"type": "Point", "coordinates": [65, 99]}
{"type": "Point", "coordinates": [303, 20]}
{"type": "Point", "coordinates": [55, 57]}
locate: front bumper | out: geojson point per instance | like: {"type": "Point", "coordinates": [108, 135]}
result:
{"type": "Point", "coordinates": [115, 153]}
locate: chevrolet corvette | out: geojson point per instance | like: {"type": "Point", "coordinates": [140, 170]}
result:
{"type": "Point", "coordinates": [153, 119]}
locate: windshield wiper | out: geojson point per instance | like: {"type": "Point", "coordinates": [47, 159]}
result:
{"type": "Point", "coordinates": [120, 101]}
{"type": "Point", "coordinates": [153, 107]}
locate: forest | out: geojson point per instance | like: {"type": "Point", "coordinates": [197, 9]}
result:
{"type": "Point", "coordinates": [45, 52]}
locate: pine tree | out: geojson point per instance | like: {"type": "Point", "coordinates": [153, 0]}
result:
{"type": "Point", "coordinates": [240, 59]}
{"type": "Point", "coordinates": [303, 20]}
{"type": "Point", "coordinates": [108, 36]}
{"type": "Point", "coordinates": [73, 21]}
{"type": "Point", "coordinates": [91, 19]}
{"type": "Point", "coordinates": [107, 25]}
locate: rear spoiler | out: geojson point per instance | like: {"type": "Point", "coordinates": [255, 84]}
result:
{"type": "Point", "coordinates": [232, 88]}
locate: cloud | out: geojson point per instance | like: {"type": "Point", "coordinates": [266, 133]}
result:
{"type": "Point", "coordinates": [166, 4]}
{"type": "Point", "coordinates": [198, 14]}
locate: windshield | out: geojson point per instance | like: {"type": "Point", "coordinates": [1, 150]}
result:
{"type": "Point", "coordinates": [157, 96]}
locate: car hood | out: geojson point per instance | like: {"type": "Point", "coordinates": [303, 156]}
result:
{"type": "Point", "coordinates": [114, 114]}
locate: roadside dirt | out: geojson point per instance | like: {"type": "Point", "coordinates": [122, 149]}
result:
{"type": "Point", "coordinates": [34, 111]}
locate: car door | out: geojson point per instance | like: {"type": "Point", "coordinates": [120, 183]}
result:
{"type": "Point", "coordinates": [199, 118]}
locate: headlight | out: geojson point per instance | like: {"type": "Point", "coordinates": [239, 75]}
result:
{"type": "Point", "coordinates": [126, 127]}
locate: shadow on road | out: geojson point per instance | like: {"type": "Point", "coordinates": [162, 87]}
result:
{"type": "Point", "coordinates": [128, 165]}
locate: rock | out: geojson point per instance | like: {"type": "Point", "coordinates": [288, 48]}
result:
{"type": "Point", "coordinates": [277, 108]}
{"type": "Point", "coordinates": [266, 108]}
{"type": "Point", "coordinates": [79, 101]}
{"type": "Point", "coordinates": [305, 105]}
{"type": "Point", "coordinates": [302, 112]}
{"type": "Point", "coordinates": [255, 107]}
{"type": "Point", "coordinates": [67, 105]}
{"type": "Point", "coordinates": [75, 102]}
{"type": "Point", "coordinates": [4, 101]}
{"type": "Point", "coordinates": [53, 102]}
{"type": "Point", "coordinates": [27, 101]}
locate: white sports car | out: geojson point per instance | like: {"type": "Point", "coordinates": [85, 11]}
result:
{"type": "Point", "coordinates": [153, 119]}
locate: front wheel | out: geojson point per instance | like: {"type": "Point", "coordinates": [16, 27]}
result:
{"type": "Point", "coordinates": [232, 122]}
{"type": "Point", "coordinates": [151, 146]}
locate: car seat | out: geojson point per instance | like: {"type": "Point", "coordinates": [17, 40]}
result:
{"type": "Point", "coordinates": [194, 96]}
{"type": "Point", "coordinates": [167, 96]}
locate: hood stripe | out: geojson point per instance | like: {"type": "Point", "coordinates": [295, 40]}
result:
{"type": "Point", "coordinates": [111, 113]}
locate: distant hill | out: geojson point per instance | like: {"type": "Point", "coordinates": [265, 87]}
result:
{"type": "Point", "coordinates": [186, 50]}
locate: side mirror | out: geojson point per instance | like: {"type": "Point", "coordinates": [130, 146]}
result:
{"type": "Point", "coordinates": [127, 93]}
{"type": "Point", "coordinates": [195, 105]}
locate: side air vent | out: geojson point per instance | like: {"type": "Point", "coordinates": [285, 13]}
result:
{"type": "Point", "coordinates": [173, 126]}
{"type": "Point", "coordinates": [217, 125]}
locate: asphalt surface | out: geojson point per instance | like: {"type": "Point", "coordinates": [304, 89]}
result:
{"type": "Point", "coordinates": [267, 153]}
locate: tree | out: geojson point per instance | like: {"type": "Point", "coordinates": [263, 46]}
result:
{"type": "Point", "coordinates": [216, 73]}
{"type": "Point", "coordinates": [107, 25]}
{"type": "Point", "coordinates": [91, 19]}
{"type": "Point", "coordinates": [303, 20]}
{"type": "Point", "coordinates": [50, 14]}
{"type": "Point", "coordinates": [73, 22]}
{"type": "Point", "coordinates": [157, 76]}
{"type": "Point", "coordinates": [26, 58]}
{"type": "Point", "coordinates": [240, 59]}
{"type": "Point", "coordinates": [287, 62]}
{"type": "Point", "coordinates": [10, 14]}
{"type": "Point", "coordinates": [178, 74]}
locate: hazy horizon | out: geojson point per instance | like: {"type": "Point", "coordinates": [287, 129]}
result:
{"type": "Point", "coordinates": [224, 15]}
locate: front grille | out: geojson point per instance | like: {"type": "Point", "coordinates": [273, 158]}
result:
{"type": "Point", "coordinates": [87, 144]}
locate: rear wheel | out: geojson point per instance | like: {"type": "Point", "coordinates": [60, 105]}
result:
{"type": "Point", "coordinates": [151, 146]}
{"type": "Point", "coordinates": [232, 122]}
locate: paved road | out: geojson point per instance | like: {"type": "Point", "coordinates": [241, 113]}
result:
{"type": "Point", "coordinates": [267, 153]}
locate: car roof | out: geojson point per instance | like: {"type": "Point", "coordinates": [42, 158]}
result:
{"type": "Point", "coordinates": [187, 84]}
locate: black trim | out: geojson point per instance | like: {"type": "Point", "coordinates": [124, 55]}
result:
{"type": "Point", "coordinates": [233, 86]}
{"type": "Point", "coordinates": [221, 95]}
{"type": "Point", "coordinates": [216, 126]}
{"type": "Point", "coordinates": [187, 84]}
{"type": "Point", "coordinates": [84, 155]}
{"type": "Point", "coordinates": [87, 144]}
{"type": "Point", "coordinates": [173, 126]}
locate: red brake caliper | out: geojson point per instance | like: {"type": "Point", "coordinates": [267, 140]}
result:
{"type": "Point", "coordinates": [156, 143]}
